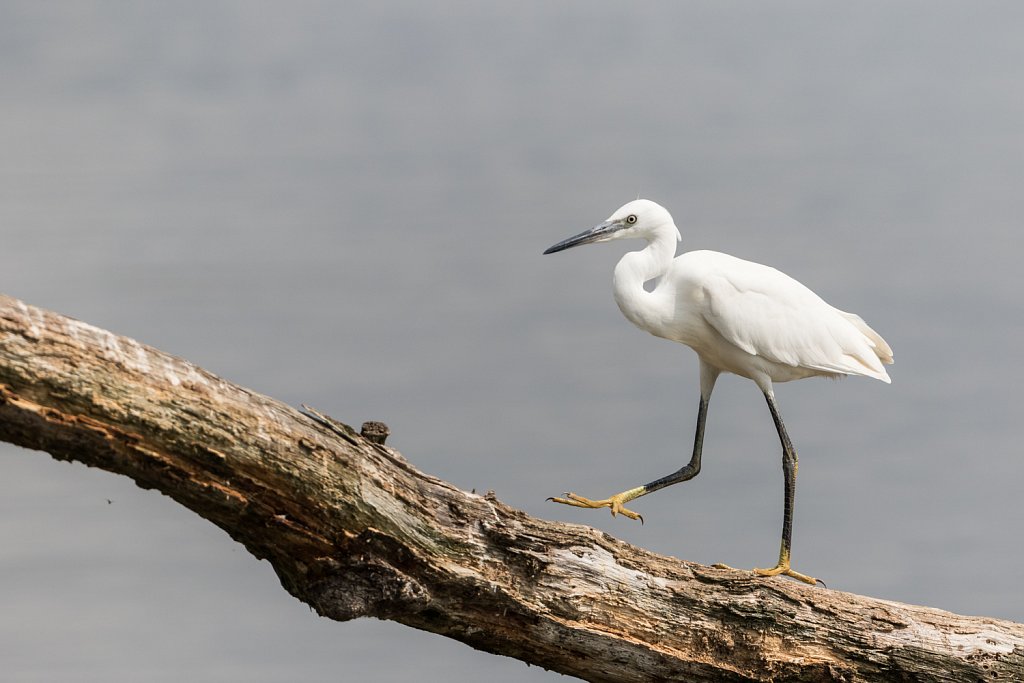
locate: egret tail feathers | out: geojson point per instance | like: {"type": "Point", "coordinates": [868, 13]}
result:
{"type": "Point", "coordinates": [882, 350]}
{"type": "Point", "coordinates": [870, 365]}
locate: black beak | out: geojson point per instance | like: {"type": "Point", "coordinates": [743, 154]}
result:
{"type": "Point", "coordinates": [598, 233]}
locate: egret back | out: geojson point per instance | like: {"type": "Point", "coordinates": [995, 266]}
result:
{"type": "Point", "coordinates": [775, 325]}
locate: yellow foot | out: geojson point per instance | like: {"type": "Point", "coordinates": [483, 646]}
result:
{"type": "Point", "coordinates": [783, 569]}
{"type": "Point", "coordinates": [614, 503]}
{"type": "Point", "coordinates": [775, 571]}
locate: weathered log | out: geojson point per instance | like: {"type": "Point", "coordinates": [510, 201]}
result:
{"type": "Point", "coordinates": [353, 529]}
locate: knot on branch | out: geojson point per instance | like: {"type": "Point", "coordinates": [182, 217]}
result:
{"type": "Point", "coordinates": [375, 432]}
{"type": "Point", "coordinates": [369, 581]}
{"type": "Point", "coordinates": [367, 590]}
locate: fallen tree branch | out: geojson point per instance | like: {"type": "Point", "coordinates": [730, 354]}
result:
{"type": "Point", "coordinates": [352, 529]}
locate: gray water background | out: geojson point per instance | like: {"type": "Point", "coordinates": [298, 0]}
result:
{"type": "Point", "coordinates": [345, 205]}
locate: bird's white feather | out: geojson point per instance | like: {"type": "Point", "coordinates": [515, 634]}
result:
{"type": "Point", "coordinates": [739, 316]}
{"type": "Point", "coordinates": [770, 315]}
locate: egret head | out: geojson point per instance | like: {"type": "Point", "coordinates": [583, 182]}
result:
{"type": "Point", "coordinates": [640, 218]}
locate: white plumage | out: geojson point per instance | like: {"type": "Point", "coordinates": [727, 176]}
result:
{"type": "Point", "coordinates": [740, 317]}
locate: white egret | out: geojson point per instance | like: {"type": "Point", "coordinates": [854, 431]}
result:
{"type": "Point", "coordinates": [740, 317]}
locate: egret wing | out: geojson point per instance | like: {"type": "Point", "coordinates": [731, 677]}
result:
{"type": "Point", "coordinates": [769, 314]}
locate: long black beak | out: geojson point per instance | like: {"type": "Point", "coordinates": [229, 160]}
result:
{"type": "Point", "coordinates": [598, 233]}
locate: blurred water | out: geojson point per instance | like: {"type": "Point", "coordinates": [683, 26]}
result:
{"type": "Point", "coordinates": [345, 206]}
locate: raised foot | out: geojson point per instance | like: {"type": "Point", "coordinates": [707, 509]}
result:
{"type": "Point", "coordinates": [614, 503]}
{"type": "Point", "coordinates": [783, 569]}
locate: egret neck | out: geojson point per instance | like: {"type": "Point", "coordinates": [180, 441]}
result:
{"type": "Point", "coordinates": [638, 267]}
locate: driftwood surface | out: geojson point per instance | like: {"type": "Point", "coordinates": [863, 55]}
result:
{"type": "Point", "coordinates": [354, 530]}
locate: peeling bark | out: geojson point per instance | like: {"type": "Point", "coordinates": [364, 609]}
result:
{"type": "Point", "coordinates": [354, 530]}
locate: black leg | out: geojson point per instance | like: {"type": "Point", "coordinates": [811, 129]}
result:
{"type": "Point", "coordinates": [789, 467]}
{"type": "Point", "coordinates": [692, 468]}
{"type": "Point", "coordinates": [688, 471]}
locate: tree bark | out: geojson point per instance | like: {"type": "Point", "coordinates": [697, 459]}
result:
{"type": "Point", "coordinates": [354, 530]}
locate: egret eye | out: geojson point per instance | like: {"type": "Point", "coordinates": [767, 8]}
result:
{"type": "Point", "coordinates": [631, 219]}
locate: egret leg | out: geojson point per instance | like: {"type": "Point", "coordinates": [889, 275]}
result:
{"type": "Point", "coordinates": [616, 503]}
{"type": "Point", "coordinates": [789, 467]}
